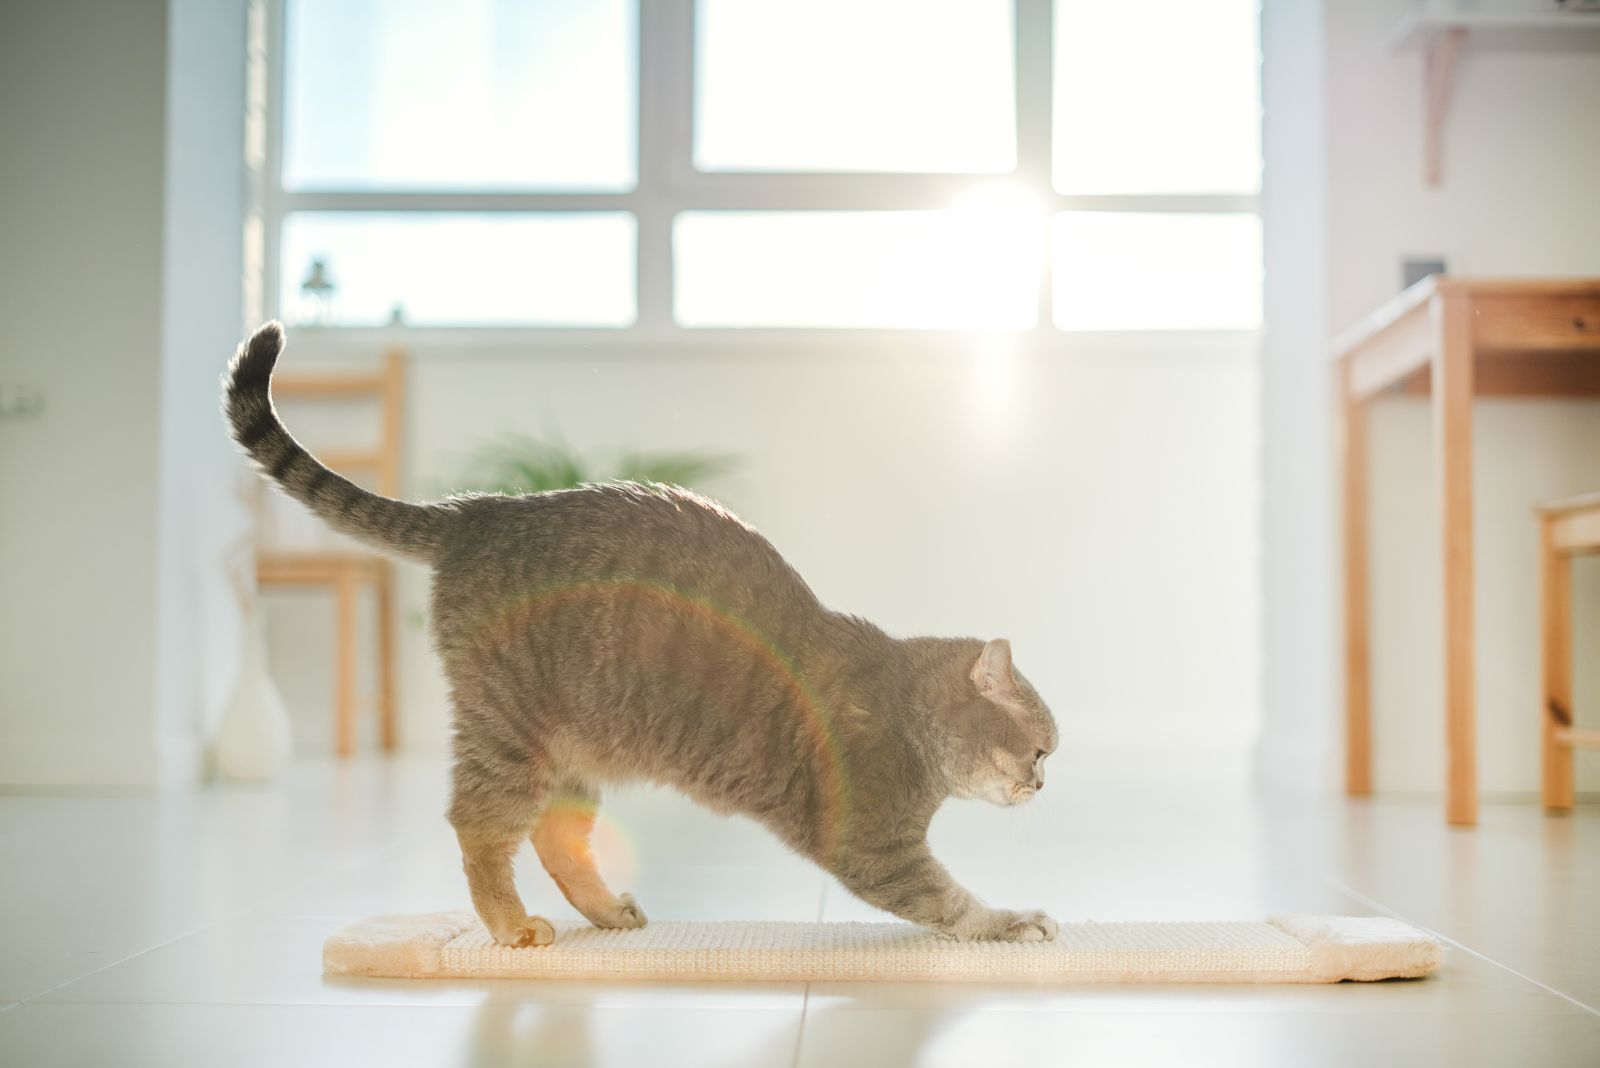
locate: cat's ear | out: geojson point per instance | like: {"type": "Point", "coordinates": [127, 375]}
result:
{"type": "Point", "coordinates": [992, 673]}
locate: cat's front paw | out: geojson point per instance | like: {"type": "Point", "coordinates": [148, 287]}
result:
{"type": "Point", "coordinates": [1003, 925]}
{"type": "Point", "coordinates": [1030, 927]}
{"type": "Point", "coordinates": [531, 931]}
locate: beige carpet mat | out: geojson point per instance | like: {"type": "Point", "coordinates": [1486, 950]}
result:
{"type": "Point", "coordinates": [1284, 949]}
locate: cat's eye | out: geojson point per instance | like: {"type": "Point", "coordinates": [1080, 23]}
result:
{"type": "Point", "coordinates": [1038, 755]}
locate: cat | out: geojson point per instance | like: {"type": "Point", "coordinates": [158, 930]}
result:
{"type": "Point", "coordinates": [626, 631]}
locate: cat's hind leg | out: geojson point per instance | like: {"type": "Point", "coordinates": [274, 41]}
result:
{"type": "Point", "coordinates": [561, 838]}
{"type": "Point", "coordinates": [491, 823]}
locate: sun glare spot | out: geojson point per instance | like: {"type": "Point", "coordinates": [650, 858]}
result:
{"type": "Point", "coordinates": [1003, 227]}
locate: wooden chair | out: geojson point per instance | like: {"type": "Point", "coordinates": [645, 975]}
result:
{"type": "Point", "coordinates": [1569, 528]}
{"type": "Point", "coordinates": [346, 571]}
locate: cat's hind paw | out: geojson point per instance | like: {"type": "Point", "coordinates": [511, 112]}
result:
{"type": "Point", "coordinates": [532, 931]}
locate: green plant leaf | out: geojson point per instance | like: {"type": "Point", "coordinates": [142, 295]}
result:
{"type": "Point", "coordinates": [515, 464]}
{"type": "Point", "coordinates": [674, 468]}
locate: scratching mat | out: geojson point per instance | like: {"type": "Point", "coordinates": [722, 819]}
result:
{"type": "Point", "coordinates": [1285, 949]}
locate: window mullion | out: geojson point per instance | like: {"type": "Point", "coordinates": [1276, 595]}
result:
{"type": "Point", "coordinates": [376, 200]}
{"type": "Point", "coordinates": [272, 208]}
{"type": "Point", "coordinates": [1033, 30]}
{"type": "Point", "coordinates": [1202, 203]}
{"type": "Point", "coordinates": [1034, 27]}
{"type": "Point", "coordinates": [666, 98]}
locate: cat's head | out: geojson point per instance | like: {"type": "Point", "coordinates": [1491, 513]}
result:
{"type": "Point", "coordinates": [1001, 732]}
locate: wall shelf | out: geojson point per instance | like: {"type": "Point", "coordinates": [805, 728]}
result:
{"type": "Point", "coordinates": [1440, 36]}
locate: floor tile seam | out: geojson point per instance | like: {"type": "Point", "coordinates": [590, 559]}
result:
{"type": "Point", "coordinates": [1163, 1004]}
{"type": "Point", "coordinates": [344, 864]}
{"type": "Point", "coordinates": [1378, 906]}
{"type": "Point", "coordinates": [800, 1031]}
{"type": "Point", "coordinates": [476, 1006]}
{"type": "Point", "coordinates": [227, 917]}
{"type": "Point", "coordinates": [805, 998]}
{"type": "Point", "coordinates": [123, 960]}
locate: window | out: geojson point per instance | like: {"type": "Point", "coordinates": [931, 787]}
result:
{"type": "Point", "coordinates": [465, 268]}
{"type": "Point", "coordinates": [464, 95]}
{"type": "Point", "coordinates": [853, 86]}
{"type": "Point", "coordinates": [1158, 96]}
{"type": "Point", "coordinates": [909, 269]}
{"type": "Point", "coordinates": [1160, 270]}
{"type": "Point", "coordinates": [685, 166]}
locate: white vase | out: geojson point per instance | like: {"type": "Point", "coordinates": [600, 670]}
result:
{"type": "Point", "coordinates": [253, 741]}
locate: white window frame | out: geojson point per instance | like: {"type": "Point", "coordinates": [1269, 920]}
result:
{"type": "Point", "coordinates": [668, 183]}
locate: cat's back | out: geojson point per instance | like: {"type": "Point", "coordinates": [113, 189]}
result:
{"type": "Point", "coordinates": [617, 536]}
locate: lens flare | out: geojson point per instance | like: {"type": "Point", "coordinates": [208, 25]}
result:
{"type": "Point", "coordinates": [615, 852]}
{"type": "Point", "coordinates": [519, 612]}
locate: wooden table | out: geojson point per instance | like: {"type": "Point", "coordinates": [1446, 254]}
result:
{"type": "Point", "coordinates": [1453, 338]}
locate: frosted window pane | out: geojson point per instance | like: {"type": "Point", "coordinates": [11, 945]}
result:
{"type": "Point", "coordinates": [911, 269]}
{"type": "Point", "coordinates": [551, 269]}
{"type": "Point", "coordinates": [854, 85]}
{"type": "Point", "coordinates": [1157, 96]}
{"type": "Point", "coordinates": [1152, 271]}
{"type": "Point", "coordinates": [457, 94]}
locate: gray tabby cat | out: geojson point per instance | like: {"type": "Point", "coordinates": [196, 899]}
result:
{"type": "Point", "coordinates": [623, 631]}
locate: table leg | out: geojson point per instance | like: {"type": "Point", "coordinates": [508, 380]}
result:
{"type": "Point", "coordinates": [1555, 589]}
{"type": "Point", "coordinates": [1452, 417]}
{"type": "Point", "coordinates": [1357, 662]}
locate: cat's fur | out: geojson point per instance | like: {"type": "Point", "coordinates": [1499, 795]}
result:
{"type": "Point", "coordinates": [626, 631]}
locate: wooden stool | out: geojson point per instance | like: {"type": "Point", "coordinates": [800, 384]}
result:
{"type": "Point", "coordinates": [1568, 528]}
{"type": "Point", "coordinates": [345, 574]}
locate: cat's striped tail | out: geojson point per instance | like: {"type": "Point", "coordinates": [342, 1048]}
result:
{"type": "Point", "coordinates": [415, 530]}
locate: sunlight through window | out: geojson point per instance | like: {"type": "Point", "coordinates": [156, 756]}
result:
{"type": "Point", "coordinates": [975, 267]}
{"type": "Point", "coordinates": [1158, 96]}
{"type": "Point", "coordinates": [495, 269]}
{"type": "Point", "coordinates": [1157, 271]}
{"type": "Point", "coordinates": [854, 85]}
{"type": "Point", "coordinates": [470, 94]}
{"type": "Point", "coordinates": [831, 164]}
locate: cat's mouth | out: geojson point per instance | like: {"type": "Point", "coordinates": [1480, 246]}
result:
{"type": "Point", "coordinates": [1019, 792]}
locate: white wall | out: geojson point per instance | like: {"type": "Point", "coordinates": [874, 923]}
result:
{"type": "Point", "coordinates": [1097, 508]}
{"type": "Point", "coordinates": [82, 103]}
{"type": "Point", "coordinates": [1522, 149]}
{"type": "Point", "coordinates": [110, 526]}
{"type": "Point", "coordinates": [1298, 744]}
{"type": "Point", "coordinates": [202, 313]}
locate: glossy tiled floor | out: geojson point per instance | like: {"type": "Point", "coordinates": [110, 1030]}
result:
{"type": "Point", "coordinates": [185, 930]}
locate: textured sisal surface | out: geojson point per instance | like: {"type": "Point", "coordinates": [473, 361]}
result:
{"type": "Point", "coordinates": [887, 951]}
{"type": "Point", "coordinates": [1289, 949]}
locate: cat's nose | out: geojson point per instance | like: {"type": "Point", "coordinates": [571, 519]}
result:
{"type": "Point", "coordinates": [1038, 784]}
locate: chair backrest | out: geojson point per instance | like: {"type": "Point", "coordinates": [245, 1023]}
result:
{"type": "Point", "coordinates": [286, 527]}
{"type": "Point", "coordinates": [386, 386]}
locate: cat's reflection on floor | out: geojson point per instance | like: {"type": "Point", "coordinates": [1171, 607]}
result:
{"type": "Point", "coordinates": [527, 1029]}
